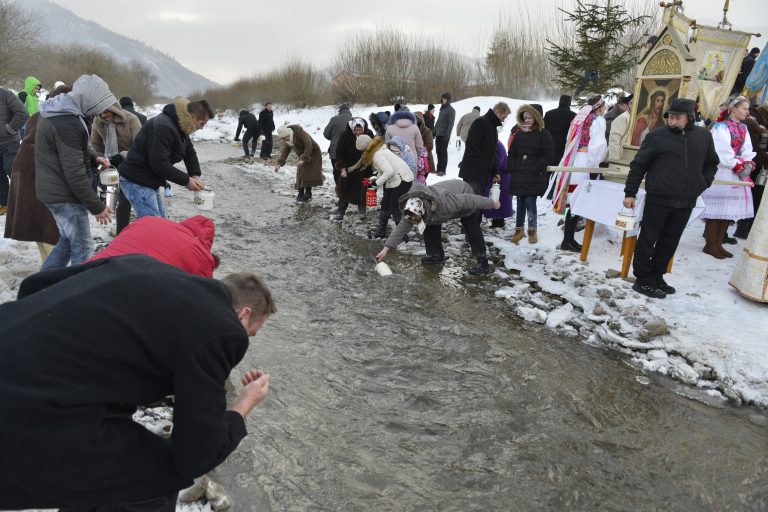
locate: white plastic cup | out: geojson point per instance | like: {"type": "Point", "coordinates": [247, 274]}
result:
{"type": "Point", "coordinates": [204, 199]}
{"type": "Point", "coordinates": [383, 269]}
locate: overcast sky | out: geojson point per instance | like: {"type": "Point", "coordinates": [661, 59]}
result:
{"type": "Point", "coordinates": [226, 39]}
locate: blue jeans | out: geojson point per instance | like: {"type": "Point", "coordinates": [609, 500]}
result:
{"type": "Point", "coordinates": [526, 204]}
{"type": "Point", "coordinates": [75, 242]}
{"type": "Point", "coordinates": [148, 202]}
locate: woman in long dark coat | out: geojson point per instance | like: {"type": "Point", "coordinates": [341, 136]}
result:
{"type": "Point", "coordinates": [309, 168]}
{"type": "Point", "coordinates": [27, 219]}
{"type": "Point", "coordinates": [529, 155]}
{"type": "Point", "coordinates": [350, 188]}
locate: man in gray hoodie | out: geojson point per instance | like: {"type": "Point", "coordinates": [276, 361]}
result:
{"type": "Point", "coordinates": [63, 159]}
{"type": "Point", "coordinates": [429, 207]}
{"type": "Point", "coordinates": [13, 115]}
{"type": "Point", "coordinates": [443, 129]}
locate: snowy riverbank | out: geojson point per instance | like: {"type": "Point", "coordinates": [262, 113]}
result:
{"type": "Point", "coordinates": [706, 335]}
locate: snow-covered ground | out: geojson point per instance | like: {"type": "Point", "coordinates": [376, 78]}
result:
{"type": "Point", "coordinates": [706, 335]}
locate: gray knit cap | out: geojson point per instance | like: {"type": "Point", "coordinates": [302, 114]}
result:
{"type": "Point", "coordinates": [92, 95]}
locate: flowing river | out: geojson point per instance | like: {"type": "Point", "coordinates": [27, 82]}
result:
{"type": "Point", "coordinates": [421, 391]}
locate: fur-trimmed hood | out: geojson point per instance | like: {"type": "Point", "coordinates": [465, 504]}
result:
{"type": "Point", "coordinates": [536, 116]}
{"type": "Point", "coordinates": [402, 118]}
{"type": "Point", "coordinates": [178, 111]}
{"type": "Point", "coordinates": [426, 195]}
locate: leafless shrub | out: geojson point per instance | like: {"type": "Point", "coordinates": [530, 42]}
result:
{"type": "Point", "coordinates": [19, 33]}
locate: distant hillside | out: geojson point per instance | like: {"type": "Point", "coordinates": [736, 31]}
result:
{"type": "Point", "coordinates": [61, 26]}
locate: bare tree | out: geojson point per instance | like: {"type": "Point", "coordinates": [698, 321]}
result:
{"type": "Point", "coordinates": [19, 33]}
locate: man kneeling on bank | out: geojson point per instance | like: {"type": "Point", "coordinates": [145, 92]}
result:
{"type": "Point", "coordinates": [82, 347]}
{"type": "Point", "coordinates": [430, 207]}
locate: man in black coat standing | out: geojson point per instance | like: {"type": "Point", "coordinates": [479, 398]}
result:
{"type": "Point", "coordinates": [479, 161]}
{"type": "Point", "coordinates": [678, 162]}
{"type": "Point", "coordinates": [267, 125]}
{"type": "Point", "coordinates": [442, 131]}
{"type": "Point", "coordinates": [127, 104]}
{"type": "Point", "coordinates": [252, 131]}
{"type": "Point", "coordinates": [557, 122]}
{"type": "Point", "coordinates": [83, 347]}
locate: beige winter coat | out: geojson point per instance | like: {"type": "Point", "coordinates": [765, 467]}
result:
{"type": "Point", "coordinates": [127, 126]}
{"type": "Point", "coordinates": [619, 129]}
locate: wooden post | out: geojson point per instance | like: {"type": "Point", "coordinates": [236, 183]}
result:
{"type": "Point", "coordinates": [627, 253]}
{"type": "Point", "coordinates": [589, 228]}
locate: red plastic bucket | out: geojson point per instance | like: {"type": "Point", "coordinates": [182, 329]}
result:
{"type": "Point", "coordinates": [370, 198]}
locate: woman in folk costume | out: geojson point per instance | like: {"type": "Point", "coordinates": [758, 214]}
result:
{"type": "Point", "coordinates": [725, 203]}
{"type": "Point", "coordinates": [586, 146]}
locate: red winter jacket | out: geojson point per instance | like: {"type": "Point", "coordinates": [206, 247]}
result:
{"type": "Point", "coordinates": [186, 245]}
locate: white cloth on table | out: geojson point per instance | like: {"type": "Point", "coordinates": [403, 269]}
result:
{"type": "Point", "coordinates": [750, 277]}
{"type": "Point", "coordinates": [601, 201]}
{"type": "Point", "coordinates": [728, 202]}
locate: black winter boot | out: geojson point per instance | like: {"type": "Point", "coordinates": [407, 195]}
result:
{"type": "Point", "coordinates": [743, 227]}
{"type": "Point", "coordinates": [340, 210]}
{"type": "Point", "coordinates": [381, 232]}
{"type": "Point", "coordinates": [569, 228]}
{"type": "Point", "coordinates": [307, 194]}
{"type": "Point", "coordinates": [482, 266]}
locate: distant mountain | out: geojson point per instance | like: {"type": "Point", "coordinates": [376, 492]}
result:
{"type": "Point", "coordinates": [61, 26]}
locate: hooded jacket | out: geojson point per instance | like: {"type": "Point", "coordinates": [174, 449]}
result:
{"type": "Point", "coordinates": [71, 440]}
{"type": "Point", "coordinates": [677, 167]}
{"type": "Point", "coordinates": [403, 124]}
{"type": "Point", "coordinates": [557, 122]}
{"type": "Point", "coordinates": [185, 245]}
{"type": "Point", "coordinates": [31, 101]}
{"type": "Point", "coordinates": [63, 157]}
{"type": "Point", "coordinates": [250, 122]}
{"type": "Point", "coordinates": [162, 142]}
{"type": "Point", "coordinates": [443, 201]}
{"type": "Point", "coordinates": [13, 115]}
{"type": "Point", "coordinates": [479, 161]}
{"type": "Point", "coordinates": [379, 122]}
{"type": "Point", "coordinates": [335, 128]}
{"type": "Point", "coordinates": [528, 157]}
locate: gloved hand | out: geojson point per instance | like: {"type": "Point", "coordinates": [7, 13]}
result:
{"type": "Point", "coordinates": [745, 171]}
{"type": "Point", "coordinates": [116, 160]}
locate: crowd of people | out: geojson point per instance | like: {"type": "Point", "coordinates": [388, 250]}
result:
{"type": "Point", "coordinates": [53, 152]}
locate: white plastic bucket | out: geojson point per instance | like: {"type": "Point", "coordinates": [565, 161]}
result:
{"type": "Point", "coordinates": [204, 199]}
{"type": "Point", "coordinates": [383, 269]}
{"type": "Point", "coordinates": [109, 177]}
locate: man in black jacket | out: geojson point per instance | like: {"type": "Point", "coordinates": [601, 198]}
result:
{"type": "Point", "coordinates": [267, 124]}
{"type": "Point", "coordinates": [75, 365]}
{"type": "Point", "coordinates": [557, 122]}
{"type": "Point", "coordinates": [479, 161]}
{"type": "Point", "coordinates": [162, 142]}
{"type": "Point", "coordinates": [13, 116]}
{"type": "Point", "coordinates": [252, 131]}
{"type": "Point", "coordinates": [443, 130]}
{"type": "Point", "coordinates": [678, 162]}
{"type": "Point", "coordinates": [127, 104]}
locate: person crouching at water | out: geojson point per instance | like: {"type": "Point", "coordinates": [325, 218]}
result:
{"type": "Point", "coordinates": [428, 207]}
{"type": "Point", "coordinates": [309, 168]}
{"type": "Point", "coordinates": [392, 173]}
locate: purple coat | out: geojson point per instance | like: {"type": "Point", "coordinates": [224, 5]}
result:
{"type": "Point", "coordinates": [506, 210]}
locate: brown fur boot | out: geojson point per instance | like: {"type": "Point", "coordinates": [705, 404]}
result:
{"type": "Point", "coordinates": [711, 234]}
{"type": "Point", "coordinates": [532, 237]}
{"type": "Point", "coordinates": [519, 235]}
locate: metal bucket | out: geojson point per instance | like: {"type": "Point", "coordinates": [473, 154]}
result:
{"type": "Point", "coordinates": [109, 176]}
{"type": "Point", "coordinates": [204, 199]}
{"type": "Point", "coordinates": [626, 221]}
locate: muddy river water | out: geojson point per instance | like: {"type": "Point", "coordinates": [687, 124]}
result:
{"type": "Point", "coordinates": [418, 392]}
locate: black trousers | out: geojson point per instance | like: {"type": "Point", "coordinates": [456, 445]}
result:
{"type": "Point", "coordinates": [266, 146]}
{"type": "Point", "coordinates": [123, 213]}
{"type": "Point", "coordinates": [660, 232]}
{"type": "Point", "coordinates": [441, 149]}
{"type": "Point", "coordinates": [433, 241]}
{"type": "Point", "coordinates": [247, 137]}
{"type": "Point", "coordinates": [391, 200]}
{"type": "Point", "coordinates": [336, 172]}
{"type": "Point", "coordinates": [161, 504]}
